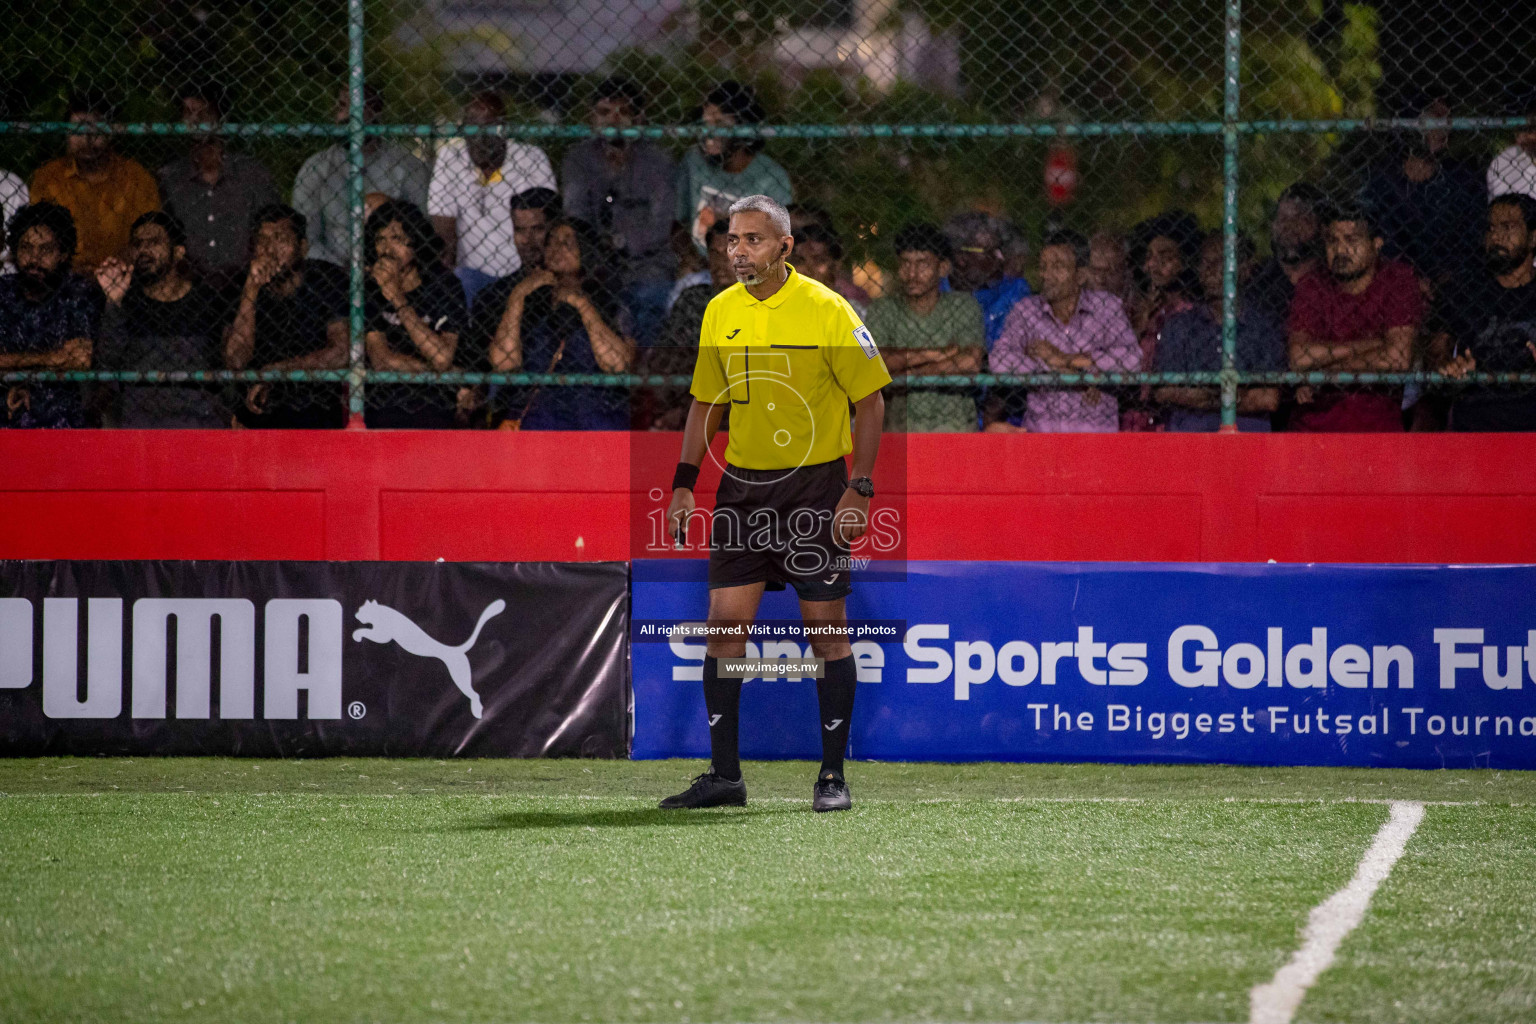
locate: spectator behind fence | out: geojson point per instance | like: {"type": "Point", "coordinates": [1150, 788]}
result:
{"type": "Point", "coordinates": [1296, 250]}
{"type": "Point", "coordinates": [415, 313]}
{"type": "Point", "coordinates": [1360, 314]}
{"type": "Point", "coordinates": [1191, 343]}
{"type": "Point", "coordinates": [687, 317]}
{"type": "Point", "coordinates": [808, 212]}
{"type": "Point", "coordinates": [819, 256]}
{"type": "Point", "coordinates": [1429, 205]}
{"type": "Point", "coordinates": [532, 213]}
{"type": "Point", "coordinates": [1109, 265]}
{"type": "Point", "coordinates": [1514, 169]}
{"type": "Point", "coordinates": [566, 318]}
{"type": "Point", "coordinates": [981, 242]}
{"type": "Point", "coordinates": [291, 314]}
{"type": "Point", "coordinates": [627, 188]}
{"type": "Point", "coordinates": [158, 318]}
{"type": "Point", "coordinates": [48, 317]}
{"type": "Point", "coordinates": [677, 349]}
{"type": "Point", "coordinates": [322, 189]}
{"type": "Point", "coordinates": [719, 171]}
{"type": "Point", "coordinates": [1065, 329]}
{"type": "Point", "coordinates": [213, 191]}
{"type": "Point", "coordinates": [103, 191]}
{"type": "Point", "coordinates": [13, 196]}
{"type": "Point", "coordinates": [1492, 321]}
{"type": "Point", "coordinates": [1016, 254]}
{"type": "Point", "coordinates": [1170, 249]}
{"type": "Point", "coordinates": [925, 331]}
{"type": "Point", "coordinates": [470, 197]}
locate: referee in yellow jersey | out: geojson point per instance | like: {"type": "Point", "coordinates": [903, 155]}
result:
{"type": "Point", "coordinates": [786, 355]}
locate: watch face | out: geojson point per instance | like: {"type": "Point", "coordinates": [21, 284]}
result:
{"type": "Point", "coordinates": [864, 486]}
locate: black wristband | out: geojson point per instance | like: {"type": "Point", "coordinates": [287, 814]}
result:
{"type": "Point", "coordinates": [685, 476]}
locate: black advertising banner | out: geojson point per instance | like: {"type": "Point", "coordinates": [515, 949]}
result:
{"type": "Point", "coordinates": [284, 659]}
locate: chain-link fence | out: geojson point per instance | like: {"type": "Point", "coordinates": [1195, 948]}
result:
{"type": "Point", "coordinates": [501, 213]}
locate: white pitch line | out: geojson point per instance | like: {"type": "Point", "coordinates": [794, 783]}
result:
{"type": "Point", "coordinates": [1276, 1001]}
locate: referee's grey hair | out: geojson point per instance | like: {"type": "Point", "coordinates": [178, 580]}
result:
{"type": "Point", "coordinates": [765, 204]}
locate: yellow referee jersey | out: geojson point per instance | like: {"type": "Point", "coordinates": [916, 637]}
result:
{"type": "Point", "coordinates": [788, 366]}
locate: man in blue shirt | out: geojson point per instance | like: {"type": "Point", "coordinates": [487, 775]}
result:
{"type": "Point", "coordinates": [981, 242]}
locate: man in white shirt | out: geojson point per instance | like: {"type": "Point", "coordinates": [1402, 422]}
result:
{"type": "Point", "coordinates": [321, 192]}
{"type": "Point", "coordinates": [1514, 170]}
{"type": "Point", "coordinates": [470, 197]}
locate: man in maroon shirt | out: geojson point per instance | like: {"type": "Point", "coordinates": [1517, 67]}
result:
{"type": "Point", "coordinates": [1359, 314]}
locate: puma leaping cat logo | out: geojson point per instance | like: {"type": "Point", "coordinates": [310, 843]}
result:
{"type": "Point", "coordinates": [382, 624]}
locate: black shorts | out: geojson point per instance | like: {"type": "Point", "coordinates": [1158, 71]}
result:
{"type": "Point", "coordinates": [774, 526]}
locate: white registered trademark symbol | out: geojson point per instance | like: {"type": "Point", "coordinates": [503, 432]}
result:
{"type": "Point", "coordinates": [356, 709]}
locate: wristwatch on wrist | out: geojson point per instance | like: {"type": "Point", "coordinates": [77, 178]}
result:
{"type": "Point", "coordinates": [864, 485]}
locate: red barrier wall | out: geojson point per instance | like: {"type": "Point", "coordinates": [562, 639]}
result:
{"type": "Point", "coordinates": [543, 496]}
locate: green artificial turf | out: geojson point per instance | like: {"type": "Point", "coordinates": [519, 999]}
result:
{"type": "Point", "coordinates": [349, 890]}
{"type": "Point", "coordinates": [1451, 935]}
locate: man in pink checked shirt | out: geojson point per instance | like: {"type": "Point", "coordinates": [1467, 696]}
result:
{"type": "Point", "coordinates": [1066, 328]}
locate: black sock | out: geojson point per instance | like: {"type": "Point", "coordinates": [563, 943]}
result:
{"type": "Point", "coordinates": [834, 692]}
{"type": "Point", "coordinates": [722, 701]}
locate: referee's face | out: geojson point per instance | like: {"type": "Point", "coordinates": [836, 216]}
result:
{"type": "Point", "coordinates": [754, 245]}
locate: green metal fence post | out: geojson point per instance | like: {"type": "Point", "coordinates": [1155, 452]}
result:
{"type": "Point", "coordinates": [356, 377]}
{"type": "Point", "coordinates": [1229, 138]}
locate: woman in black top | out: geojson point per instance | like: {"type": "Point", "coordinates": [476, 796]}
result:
{"type": "Point", "coordinates": [415, 314]}
{"type": "Point", "coordinates": [566, 317]}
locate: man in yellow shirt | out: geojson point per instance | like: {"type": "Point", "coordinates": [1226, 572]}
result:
{"type": "Point", "coordinates": [104, 191]}
{"type": "Point", "coordinates": [786, 355]}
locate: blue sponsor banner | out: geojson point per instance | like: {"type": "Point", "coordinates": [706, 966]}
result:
{"type": "Point", "coordinates": [1387, 666]}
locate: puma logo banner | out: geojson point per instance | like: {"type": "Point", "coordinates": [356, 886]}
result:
{"type": "Point", "coordinates": [382, 624]}
{"type": "Point", "coordinates": [278, 659]}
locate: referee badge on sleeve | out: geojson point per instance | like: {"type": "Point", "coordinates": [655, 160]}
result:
{"type": "Point", "coordinates": [866, 342]}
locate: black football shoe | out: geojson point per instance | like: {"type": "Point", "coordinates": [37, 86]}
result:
{"type": "Point", "coordinates": [709, 790]}
{"type": "Point", "coordinates": [831, 793]}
